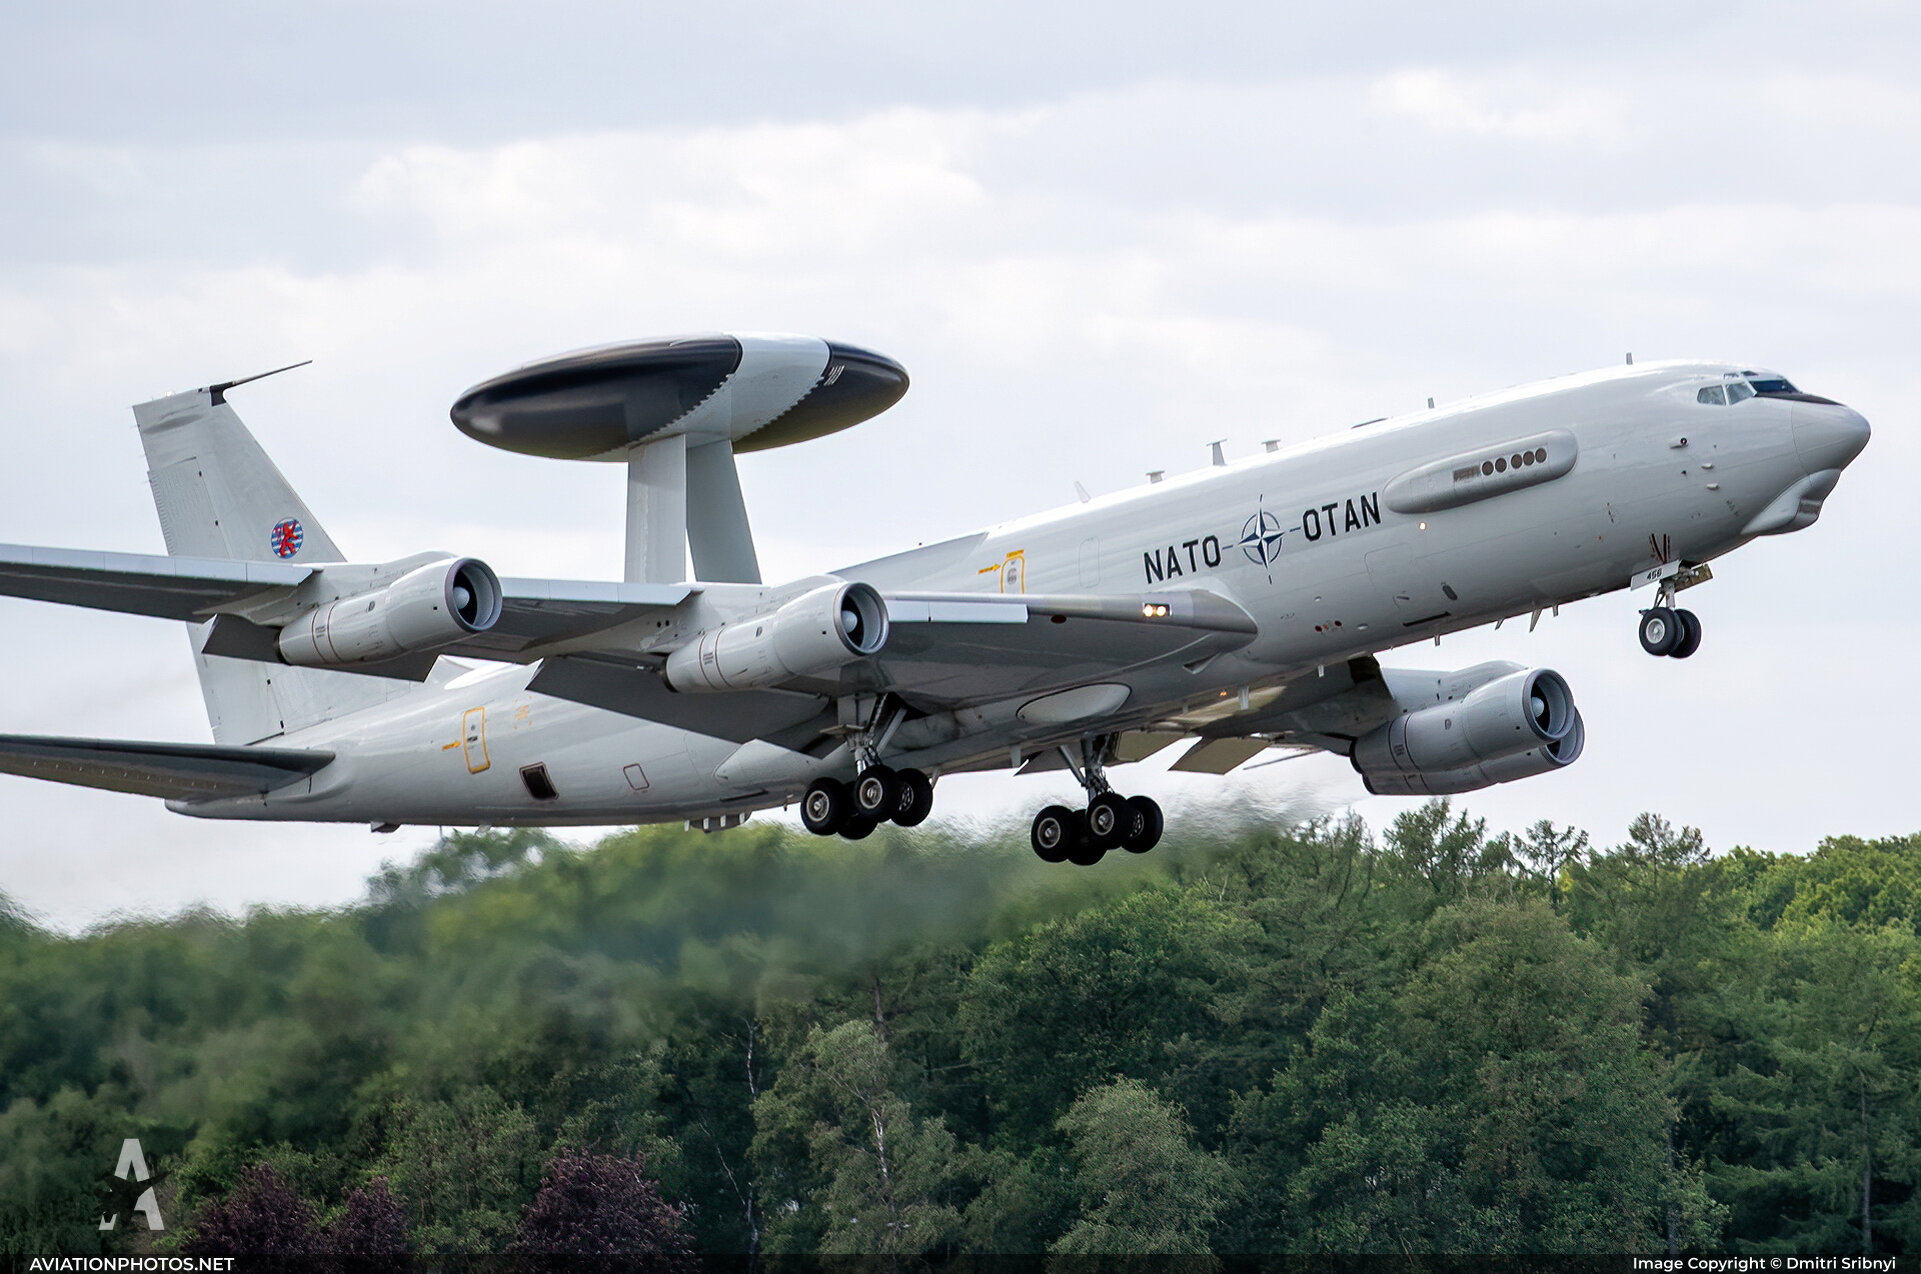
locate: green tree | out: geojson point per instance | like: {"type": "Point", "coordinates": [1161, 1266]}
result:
{"type": "Point", "coordinates": [1547, 855]}
{"type": "Point", "coordinates": [1828, 1100]}
{"type": "Point", "coordinates": [1447, 852]}
{"type": "Point", "coordinates": [466, 1167]}
{"type": "Point", "coordinates": [1128, 988]}
{"type": "Point", "coordinates": [56, 1163]}
{"type": "Point", "coordinates": [1144, 1187]}
{"type": "Point", "coordinates": [1498, 1101]}
{"type": "Point", "coordinates": [883, 1180]}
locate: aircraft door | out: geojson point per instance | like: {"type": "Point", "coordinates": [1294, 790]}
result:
{"type": "Point", "coordinates": [1014, 572]}
{"type": "Point", "coordinates": [473, 738]}
{"type": "Point", "coordinates": [1410, 581]}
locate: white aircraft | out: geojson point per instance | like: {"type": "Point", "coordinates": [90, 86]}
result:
{"type": "Point", "coordinates": [1238, 608]}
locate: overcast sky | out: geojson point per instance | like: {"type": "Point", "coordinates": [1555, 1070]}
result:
{"type": "Point", "coordinates": [1098, 236]}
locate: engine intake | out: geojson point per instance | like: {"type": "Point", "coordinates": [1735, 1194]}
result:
{"type": "Point", "coordinates": [427, 607]}
{"type": "Point", "coordinates": [815, 633]}
{"type": "Point", "coordinates": [1505, 717]}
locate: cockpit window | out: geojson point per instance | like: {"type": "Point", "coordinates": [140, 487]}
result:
{"type": "Point", "coordinates": [1737, 387]}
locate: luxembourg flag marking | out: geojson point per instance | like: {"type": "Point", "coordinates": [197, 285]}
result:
{"type": "Point", "coordinates": [286, 538]}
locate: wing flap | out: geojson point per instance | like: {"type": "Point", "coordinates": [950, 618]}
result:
{"type": "Point", "coordinates": [959, 648]}
{"type": "Point", "coordinates": [637, 690]}
{"type": "Point", "coordinates": [1218, 756]}
{"type": "Point", "coordinates": [177, 771]}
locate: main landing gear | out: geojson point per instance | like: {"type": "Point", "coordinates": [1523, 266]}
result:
{"type": "Point", "coordinates": [877, 795]}
{"type": "Point", "coordinates": [1110, 821]}
{"type": "Point", "coordinates": [1667, 631]}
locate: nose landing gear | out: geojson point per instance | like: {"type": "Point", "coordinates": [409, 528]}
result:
{"type": "Point", "coordinates": [1664, 629]}
{"type": "Point", "coordinates": [1670, 632]}
{"type": "Point", "coordinates": [1110, 821]}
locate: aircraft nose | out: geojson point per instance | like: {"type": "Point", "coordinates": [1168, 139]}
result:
{"type": "Point", "coordinates": [1828, 435]}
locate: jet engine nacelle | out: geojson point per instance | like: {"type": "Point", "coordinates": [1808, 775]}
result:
{"type": "Point", "coordinates": [815, 633]}
{"type": "Point", "coordinates": [1525, 765]}
{"type": "Point", "coordinates": [426, 608]}
{"type": "Point", "coordinates": [1512, 715]}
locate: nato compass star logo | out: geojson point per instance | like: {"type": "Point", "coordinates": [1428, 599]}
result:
{"type": "Point", "coordinates": [1261, 540]}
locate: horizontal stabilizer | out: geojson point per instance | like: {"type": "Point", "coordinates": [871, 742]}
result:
{"type": "Point", "coordinates": [177, 771]}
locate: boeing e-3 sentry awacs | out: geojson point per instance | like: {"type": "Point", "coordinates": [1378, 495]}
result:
{"type": "Point", "coordinates": [1233, 610]}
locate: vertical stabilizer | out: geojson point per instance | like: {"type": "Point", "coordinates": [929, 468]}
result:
{"type": "Point", "coordinates": [219, 495]}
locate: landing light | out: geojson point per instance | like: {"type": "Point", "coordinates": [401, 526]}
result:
{"type": "Point", "coordinates": [1154, 610]}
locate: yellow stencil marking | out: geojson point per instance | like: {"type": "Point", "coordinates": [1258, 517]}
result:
{"type": "Point", "coordinates": [1014, 572]}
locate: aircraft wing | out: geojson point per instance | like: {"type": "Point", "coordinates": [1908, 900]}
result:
{"type": "Point", "coordinates": [1321, 711]}
{"type": "Point", "coordinates": [177, 771]}
{"type": "Point", "coordinates": [195, 589]}
{"type": "Point", "coordinates": [944, 650]}
{"type": "Point", "coordinates": [955, 649]}
{"type": "Point", "coordinates": [187, 588]}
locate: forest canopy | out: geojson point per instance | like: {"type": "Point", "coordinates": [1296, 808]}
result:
{"type": "Point", "coordinates": [1257, 1039]}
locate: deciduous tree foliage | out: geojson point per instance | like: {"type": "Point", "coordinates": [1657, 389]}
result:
{"type": "Point", "coordinates": [601, 1205]}
{"type": "Point", "coordinates": [1144, 1187]}
{"type": "Point", "coordinates": [879, 1179]}
{"type": "Point", "coordinates": [264, 1216]}
{"type": "Point", "coordinates": [1257, 1038]}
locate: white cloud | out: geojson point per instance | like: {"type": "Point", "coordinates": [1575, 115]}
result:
{"type": "Point", "coordinates": [1525, 107]}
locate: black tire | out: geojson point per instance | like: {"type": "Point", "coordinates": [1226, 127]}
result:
{"type": "Point", "coordinates": [916, 798]}
{"type": "Point", "coordinates": [1690, 635]}
{"type": "Point", "coordinates": [1149, 829]}
{"type": "Point", "coordinates": [1660, 631]}
{"type": "Point", "coordinates": [1109, 820]}
{"type": "Point", "coordinates": [1087, 851]}
{"type": "Point", "coordinates": [876, 793]}
{"type": "Point", "coordinates": [859, 827]}
{"type": "Point", "coordinates": [1055, 834]}
{"type": "Point", "coordinates": [825, 807]}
